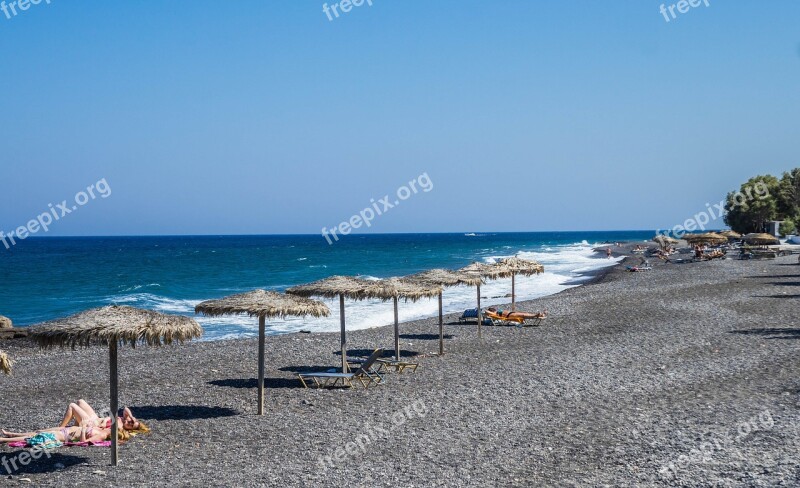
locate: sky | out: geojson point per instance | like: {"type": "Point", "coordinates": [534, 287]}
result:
{"type": "Point", "coordinates": [265, 117]}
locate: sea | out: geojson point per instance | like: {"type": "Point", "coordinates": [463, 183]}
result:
{"type": "Point", "coordinates": [50, 277]}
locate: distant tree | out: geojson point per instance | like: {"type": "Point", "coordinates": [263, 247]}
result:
{"type": "Point", "coordinates": [787, 227]}
{"type": "Point", "coordinates": [789, 196]}
{"type": "Point", "coordinates": [755, 203]}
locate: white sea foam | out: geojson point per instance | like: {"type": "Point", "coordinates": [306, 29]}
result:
{"type": "Point", "coordinates": [565, 267]}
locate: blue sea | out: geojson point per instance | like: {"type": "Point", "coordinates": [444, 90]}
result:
{"type": "Point", "coordinates": [50, 277]}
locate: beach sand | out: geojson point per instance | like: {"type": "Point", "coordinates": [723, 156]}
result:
{"type": "Point", "coordinates": [694, 366]}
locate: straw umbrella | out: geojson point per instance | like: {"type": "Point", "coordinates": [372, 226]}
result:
{"type": "Point", "coordinates": [488, 271]}
{"type": "Point", "coordinates": [664, 241]}
{"type": "Point", "coordinates": [521, 266]}
{"type": "Point", "coordinates": [342, 287]}
{"type": "Point", "coordinates": [730, 234]}
{"type": "Point", "coordinates": [262, 304]}
{"type": "Point", "coordinates": [707, 238]}
{"type": "Point", "coordinates": [111, 326]}
{"type": "Point", "coordinates": [397, 288]}
{"type": "Point", "coordinates": [761, 239]}
{"type": "Point", "coordinates": [5, 322]}
{"type": "Point", "coordinates": [5, 363]}
{"type": "Point", "coordinates": [444, 278]}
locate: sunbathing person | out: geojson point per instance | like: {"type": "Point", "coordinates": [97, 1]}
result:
{"type": "Point", "coordinates": [83, 414]}
{"type": "Point", "coordinates": [63, 435]}
{"type": "Point", "coordinates": [508, 314]}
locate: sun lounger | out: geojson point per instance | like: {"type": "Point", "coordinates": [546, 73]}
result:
{"type": "Point", "coordinates": [520, 319]}
{"type": "Point", "coordinates": [397, 364]}
{"type": "Point", "coordinates": [365, 375]}
{"type": "Point", "coordinates": [472, 313]}
{"type": "Point", "coordinates": [498, 319]}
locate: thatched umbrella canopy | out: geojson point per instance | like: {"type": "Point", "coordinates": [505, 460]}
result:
{"type": "Point", "coordinates": [408, 290]}
{"type": "Point", "coordinates": [761, 239]}
{"type": "Point", "coordinates": [664, 241]}
{"type": "Point", "coordinates": [707, 238]}
{"type": "Point", "coordinates": [262, 304]}
{"type": "Point", "coordinates": [521, 266]}
{"type": "Point", "coordinates": [5, 363]}
{"type": "Point", "coordinates": [731, 234]}
{"type": "Point", "coordinates": [343, 287]}
{"type": "Point", "coordinates": [5, 322]}
{"type": "Point", "coordinates": [111, 326]}
{"type": "Point", "coordinates": [443, 278]}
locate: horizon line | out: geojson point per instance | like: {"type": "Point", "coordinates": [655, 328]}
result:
{"type": "Point", "coordinates": [361, 234]}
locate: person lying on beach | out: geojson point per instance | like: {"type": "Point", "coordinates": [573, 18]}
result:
{"type": "Point", "coordinates": [63, 435]}
{"type": "Point", "coordinates": [521, 315]}
{"type": "Point", "coordinates": [83, 414]}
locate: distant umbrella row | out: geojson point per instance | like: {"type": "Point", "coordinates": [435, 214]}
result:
{"type": "Point", "coordinates": [114, 325]}
{"type": "Point", "coordinates": [716, 238]}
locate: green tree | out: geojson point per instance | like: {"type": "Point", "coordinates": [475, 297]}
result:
{"type": "Point", "coordinates": [755, 203]}
{"type": "Point", "coordinates": [789, 196]}
{"type": "Point", "coordinates": [787, 227]}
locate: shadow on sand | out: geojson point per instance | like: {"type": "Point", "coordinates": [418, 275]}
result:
{"type": "Point", "coordinates": [252, 383]}
{"type": "Point", "coordinates": [49, 462]}
{"type": "Point", "coordinates": [363, 353]}
{"type": "Point", "coordinates": [182, 412]}
{"type": "Point", "coordinates": [424, 337]}
{"type": "Point", "coordinates": [770, 333]}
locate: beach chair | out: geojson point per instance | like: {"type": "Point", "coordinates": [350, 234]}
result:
{"type": "Point", "coordinates": [365, 375]}
{"type": "Point", "coordinates": [498, 319]}
{"type": "Point", "coordinates": [520, 319]}
{"type": "Point", "coordinates": [398, 365]}
{"type": "Point", "coordinates": [472, 313]}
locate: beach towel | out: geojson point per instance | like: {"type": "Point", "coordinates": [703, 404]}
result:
{"type": "Point", "coordinates": [43, 440]}
{"type": "Point", "coordinates": [68, 444]}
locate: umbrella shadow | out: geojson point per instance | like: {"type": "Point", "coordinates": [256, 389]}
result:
{"type": "Point", "coordinates": [776, 296]}
{"type": "Point", "coordinates": [355, 353]}
{"type": "Point", "coordinates": [770, 333]}
{"type": "Point", "coordinates": [424, 337]}
{"type": "Point", "coordinates": [756, 277]}
{"type": "Point", "coordinates": [252, 383]}
{"type": "Point", "coordinates": [182, 412]}
{"type": "Point", "coordinates": [49, 462]}
{"type": "Point", "coordinates": [308, 369]}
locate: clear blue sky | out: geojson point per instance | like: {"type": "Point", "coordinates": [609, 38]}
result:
{"type": "Point", "coordinates": [258, 117]}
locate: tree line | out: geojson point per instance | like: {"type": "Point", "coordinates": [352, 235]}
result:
{"type": "Point", "coordinates": [777, 199]}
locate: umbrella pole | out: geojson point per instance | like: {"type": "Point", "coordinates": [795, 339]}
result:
{"type": "Point", "coordinates": [396, 332]}
{"type": "Point", "coordinates": [261, 333]}
{"type": "Point", "coordinates": [513, 292]}
{"type": "Point", "coordinates": [344, 338]}
{"type": "Point", "coordinates": [441, 327]}
{"type": "Point", "coordinates": [480, 318]}
{"type": "Point", "coordinates": [112, 356]}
